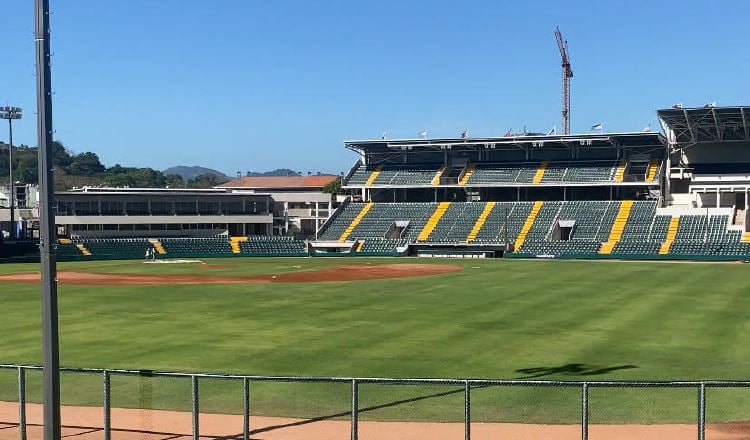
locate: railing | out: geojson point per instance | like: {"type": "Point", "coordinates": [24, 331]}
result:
{"type": "Point", "coordinates": [457, 388]}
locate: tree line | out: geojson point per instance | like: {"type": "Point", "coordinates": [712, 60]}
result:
{"type": "Point", "coordinates": [87, 167]}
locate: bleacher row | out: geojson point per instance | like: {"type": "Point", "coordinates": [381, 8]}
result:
{"type": "Point", "coordinates": [134, 248]}
{"type": "Point", "coordinates": [558, 228]}
{"type": "Point", "coordinates": [534, 172]}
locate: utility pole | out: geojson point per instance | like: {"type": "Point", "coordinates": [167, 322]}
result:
{"type": "Point", "coordinates": [11, 113]}
{"type": "Point", "coordinates": [567, 73]}
{"type": "Point", "coordinates": [50, 339]}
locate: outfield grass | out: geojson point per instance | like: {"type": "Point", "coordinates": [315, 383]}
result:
{"type": "Point", "coordinates": [495, 319]}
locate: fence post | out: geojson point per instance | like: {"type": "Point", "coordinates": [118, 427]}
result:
{"type": "Point", "coordinates": [107, 406]}
{"type": "Point", "coordinates": [22, 403]}
{"type": "Point", "coordinates": [246, 408]}
{"type": "Point", "coordinates": [585, 411]}
{"type": "Point", "coordinates": [467, 411]}
{"type": "Point", "coordinates": [702, 412]}
{"type": "Point", "coordinates": [196, 409]}
{"type": "Point", "coordinates": [355, 409]}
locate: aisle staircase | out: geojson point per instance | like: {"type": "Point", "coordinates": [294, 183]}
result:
{"type": "Point", "coordinates": [653, 168]}
{"type": "Point", "coordinates": [438, 175]}
{"type": "Point", "coordinates": [374, 175]}
{"type": "Point", "coordinates": [467, 174]}
{"type": "Point", "coordinates": [620, 172]}
{"type": "Point", "coordinates": [674, 225]}
{"type": "Point", "coordinates": [348, 231]}
{"type": "Point", "coordinates": [527, 226]}
{"type": "Point", "coordinates": [480, 221]}
{"type": "Point", "coordinates": [433, 221]}
{"type": "Point", "coordinates": [540, 172]}
{"type": "Point", "coordinates": [745, 237]}
{"type": "Point", "coordinates": [83, 250]}
{"type": "Point", "coordinates": [617, 227]}
{"type": "Point", "coordinates": [158, 246]}
{"type": "Point", "coordinates": [235, 243]}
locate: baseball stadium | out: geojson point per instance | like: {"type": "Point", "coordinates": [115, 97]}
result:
{"type": "Point", "coordinates": [524, 286]}
{"type": "Point", "coordinates": [534, 286]}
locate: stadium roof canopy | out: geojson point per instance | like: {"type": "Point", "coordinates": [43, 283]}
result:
{"type": "Point", "coordinates": [706, 124]}
{"type": "Point", "coordinates": [594, 140]}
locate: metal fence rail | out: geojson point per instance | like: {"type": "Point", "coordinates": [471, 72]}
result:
{"type": "Point", "coordinates": [464, 386]}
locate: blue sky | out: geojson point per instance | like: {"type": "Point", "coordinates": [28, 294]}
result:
{"type": "Point", "coordinates": [243, 85]}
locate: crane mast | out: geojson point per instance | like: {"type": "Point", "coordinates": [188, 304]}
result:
{"type": "Point", "coordinates": [567, 73]}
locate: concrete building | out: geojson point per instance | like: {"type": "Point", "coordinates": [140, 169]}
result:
{"type": "Point", "coordinates": [300, 205]}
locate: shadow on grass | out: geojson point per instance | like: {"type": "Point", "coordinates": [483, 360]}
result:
{"type": "Point", "coordinates": [571, 370]}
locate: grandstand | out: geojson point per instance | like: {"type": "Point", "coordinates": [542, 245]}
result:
{"type": "Point", "coordinates": [621, 195]}
{"type": "Point", "coordinates": [678, 195]}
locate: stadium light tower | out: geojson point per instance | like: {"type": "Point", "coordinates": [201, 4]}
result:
{"type": "Point", "coordinates": [11, 113]}
{"type": "Point", "coordinates": [567, 73]}
{"type": "Point", "coordinates": [47, 233]}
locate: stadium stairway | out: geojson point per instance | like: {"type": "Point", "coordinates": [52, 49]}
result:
{"type": "Point", "coordinates": [745, 237]}
{"type": "Point", "coordinates": [653, 167]}
{"type": "Point", "coordinates": [527, 225]}
{"type": "Point", "coordinates": [539, 175]}
{"type": "Point", "coordinates": [235, 243]}
{"type": "Point", "coordinates": [84, 250]}
{"type": "Point", "coordinates": [674, 226]}
{"type": "Point", "coordinates": [365, 209]}
{"type": "Point", "coordinates": [466, 175]}
{"type": "Point", "coordinates": [620, 172]}
{"type": "Point", "coordinates": [617, 227]}
{"type": "Point", "coordinates": [158, 246]}
{"type": "Point", "coordinates": [374, 175]}
{"type": "Point", "coordinates": [480, 221]}
{"type": "Point", "coordinates": [436, 180]}
{"type": "Point", "coordinates": [433, 221]}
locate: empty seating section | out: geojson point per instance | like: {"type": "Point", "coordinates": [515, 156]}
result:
{"type": "Point", "coordinates": [341, 220]}
{"type": "Point", "coordinates": [69, 251]}
{"type": "Point", "coordinates": [389, 174]}
{"type": "Point", "coordinates": [486, 173]}
{"type": "Point", "coordinates": [637, 235]}
{"type": "Point", "coordinates": [380, 246]}
{"type": "Point", "coordinates": [270, 245]}
{"type": "Point", "coordinates": [544, 172]}
{"type": "Point", "coordinates": [505, 214]}
{"type": "Point", "coordinates": [383, 217]}
{"type": "Point", "coordinates": [573, 228]}
{"type": "Point", "coordinates": [526, 172]}
{"type": "Point", "coordinates": [456, 224]}
{"type": "Point", "coordinates": [196, 247]}
{"type": "Point", "coordinates": [124, 249]}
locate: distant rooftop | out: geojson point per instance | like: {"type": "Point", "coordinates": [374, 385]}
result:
{"type": "Point", "coordinates": [281, 182]}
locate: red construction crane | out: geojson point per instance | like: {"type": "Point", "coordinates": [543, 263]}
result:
{"type": "Point", "coordinates": [567, 73]}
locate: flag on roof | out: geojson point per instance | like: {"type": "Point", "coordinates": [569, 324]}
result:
{"type": "Point", "coordinates": [597, 127]}
{"type": "Point", "coordinates": [423, 134]}
{"type": "Point", "coordinates": [647, 129]}
{"type": "Point", "coordinates": [509, 133]}
{"type": "Point", "coordinates": [384, 135]}
{"type": "Point", "coordinates": [465, 134]}
{"type": "Point", "coordinates": [710, 105]}
{"type": "Point", "coordinates": [677, 106]}
{"type": "Point", "coordinates": [553, 131]}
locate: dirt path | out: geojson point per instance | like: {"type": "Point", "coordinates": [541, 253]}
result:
{"type": "Point", "coordinates": [85, 423]}
{"type": "Point", "coordinates": [350, 272]}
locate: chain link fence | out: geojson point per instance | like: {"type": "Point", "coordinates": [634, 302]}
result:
{"type": "Point", "coordinates": [127, 404]}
